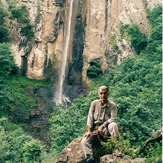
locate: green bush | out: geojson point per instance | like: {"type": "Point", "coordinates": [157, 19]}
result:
{"type": "Point", "coordinates": [3, 14]}
{"type": "Point", "coordinates": [7, 69]}
{"type": "Point", "coordinates": [21, 13]}
{"type": "Point", "coordinates": [137, 38]}
{"type": "Point", "coordinates": [19, 102]}
{"type": "Point", "coordinates": [4, 29]}
{"type": "Point", "coordinates": [32, 151]}
{"type": "Point", "coordinates": [4, 34]}
{"type": "Point", "coordinates": [135, 87]}
{"type": "Point", "coordinates": [94, 69]}
{"type": "Point", "coordinates": [7, 62]}
{"type": "Point", "coordinates": [154, 153]}
{"type": "Point", "coordinates": [11, 140]}
{"type": "Point", "coordinates": [123, 145]}
{"type": "Point", "coordinates": [154, 47]}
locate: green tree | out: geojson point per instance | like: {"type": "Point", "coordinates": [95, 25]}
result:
{"type": "Point", "coordinates": [21, 13]}
{"type": "Point", "coordinates": [94, 69]}
{"type": "Point", "coordinates": [12, 138]}
{"type": "Point", "coordinates": [137, 38]}
{"type": "Point", "coordinates": [8, 68]}
{"type": "Point", "coordinates": [4, 29]}
{"type": "Point", "coordinates": [32, 152]}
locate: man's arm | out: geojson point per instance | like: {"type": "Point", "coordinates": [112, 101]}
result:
{"type": "Point", "coordinates": [88, 133]}
{"type": "Point", "coordinates": [90, 120]}
{"type": "Point", "coordinates": [111, 119]}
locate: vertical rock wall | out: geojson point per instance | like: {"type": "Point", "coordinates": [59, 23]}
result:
{"type": "Point", "coordinates": [100, 22]}
{"type": "Point", "coordinates": [103, 21]}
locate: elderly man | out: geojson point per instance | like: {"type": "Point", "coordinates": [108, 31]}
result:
{"type": "Point", "coordinates": [101, 119]}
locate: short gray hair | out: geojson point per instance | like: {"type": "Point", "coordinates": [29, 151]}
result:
{"type": "Point", "coordinates": [103, 87]}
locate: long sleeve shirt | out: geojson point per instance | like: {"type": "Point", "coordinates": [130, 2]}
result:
{"type": "Point", "coordinates": [101, 114]}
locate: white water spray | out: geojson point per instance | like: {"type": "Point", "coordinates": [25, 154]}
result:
{"type": "Point", "coordinates": [59, 97]}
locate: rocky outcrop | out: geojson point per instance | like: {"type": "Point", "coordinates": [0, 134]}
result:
{"type": "Point", "coordinates": [95, 33]}
{"type": "Point", "coordinates": [104, 19]}
{"type": "Point", "coordinates": [73, 154]}
{"type": "Point", "coordinates": [101, 22]}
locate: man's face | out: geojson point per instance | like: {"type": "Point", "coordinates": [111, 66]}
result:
{"type": "Point", "coordinates": [103, 94]}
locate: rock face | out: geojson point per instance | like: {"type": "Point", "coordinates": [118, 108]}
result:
{"type": "Point", "coordinates": [73, 154]}
{"type": "Point", "coordinates": [95, 32]}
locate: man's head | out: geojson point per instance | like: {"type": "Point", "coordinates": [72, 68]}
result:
{"type": "Point", "coordinates": [103, 93]}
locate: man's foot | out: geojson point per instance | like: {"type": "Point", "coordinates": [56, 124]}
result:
{"type": "Point", "coordinates": [90, 160]}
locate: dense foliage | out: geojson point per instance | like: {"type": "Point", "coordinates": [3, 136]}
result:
{"type": "Point", "coordinates": [21, 14]}
{"type": "Point", "coordinates": [16, 144]}
{"type": "Point", "coordinates": [4, 29]}
{"type": "Point", "coordinates": [137, 38]}
{"type": "Point", "coordinates": [94, 70]}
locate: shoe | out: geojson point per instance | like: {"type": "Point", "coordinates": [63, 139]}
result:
{"type": "Point", "coordinates": [90, 160]}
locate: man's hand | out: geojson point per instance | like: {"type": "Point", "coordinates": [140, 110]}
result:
{"type": "Point", "coordinates": [88, 134]}
{"type": "Point", "coordinates": [100, 129]}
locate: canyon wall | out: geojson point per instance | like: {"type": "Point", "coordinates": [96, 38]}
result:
{"type": "Point", "coordinates": [95, 31]}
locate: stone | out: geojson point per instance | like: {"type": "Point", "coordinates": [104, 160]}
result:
{"type": "Point", "coordinates": [73, 154]}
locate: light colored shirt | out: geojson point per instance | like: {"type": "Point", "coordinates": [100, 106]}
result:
{"type": "Point", "coordinates": [99, 114]}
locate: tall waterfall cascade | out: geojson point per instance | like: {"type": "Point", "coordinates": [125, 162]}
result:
{"type": "Point", "coordinates": [59, 96]}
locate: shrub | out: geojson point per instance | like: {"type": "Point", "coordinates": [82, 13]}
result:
{"type": "Point", "coordinates": [4, 34]}
{"type": "Point", "coordinates": [32, 151]}
{"type": "Point", "coordinates": [21, 13]}
{"type": "Point", "coordinates": [94, 69]}
{"type": "Point", "coordinates": [137, 38]}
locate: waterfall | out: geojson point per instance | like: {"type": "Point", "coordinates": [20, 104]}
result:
{"type": "Point", "coordinates": [59, 90]}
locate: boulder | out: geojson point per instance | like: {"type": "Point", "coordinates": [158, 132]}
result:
{"type": "Point", "coordinates": [73, 154]}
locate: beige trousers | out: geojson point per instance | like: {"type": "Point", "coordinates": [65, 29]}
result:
{"type": "Point", "coordinates": [86, 143]}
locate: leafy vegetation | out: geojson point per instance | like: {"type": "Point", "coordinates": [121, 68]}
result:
{"type": "Point", "coordinates": [32, 151]}
{"type": "Point", "coordinates": [154, 153]}
{"type": "Point", "coordinates": [122, 145]}
{"type": "Point", "coordinates": [112, 41]}
{"type": "Point", "coordinates": [94, 69]}
{"type": "Point", "coordinates": [16, 144]}
{"type": "Point", "coordinates": [19, 101]}
{"type": "Point", "coordinates": [137, 38]}
{"type": "Point", "coordinates": [4, 29]}
{"type": "Point", "coordinates": [21, 13]}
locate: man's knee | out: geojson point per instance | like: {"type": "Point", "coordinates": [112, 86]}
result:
{"type": "Point", "coordinates": [113, 125]}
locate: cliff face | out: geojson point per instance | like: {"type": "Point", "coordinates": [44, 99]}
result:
{"type": "Point", "coordinates": [94, 26]}
{"type": "Point", "coordinates": [104, 19]}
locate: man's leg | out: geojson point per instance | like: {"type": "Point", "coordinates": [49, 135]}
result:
{"type": "Point", "coordinates": [112, 130]}
{"type": "Point", "coordinates": [87, 149]}
{"type": "Point", "coordinates": [87, 146]}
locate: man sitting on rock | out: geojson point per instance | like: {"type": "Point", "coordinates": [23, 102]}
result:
{"type": "Point", "coordinates": [101, 121]}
